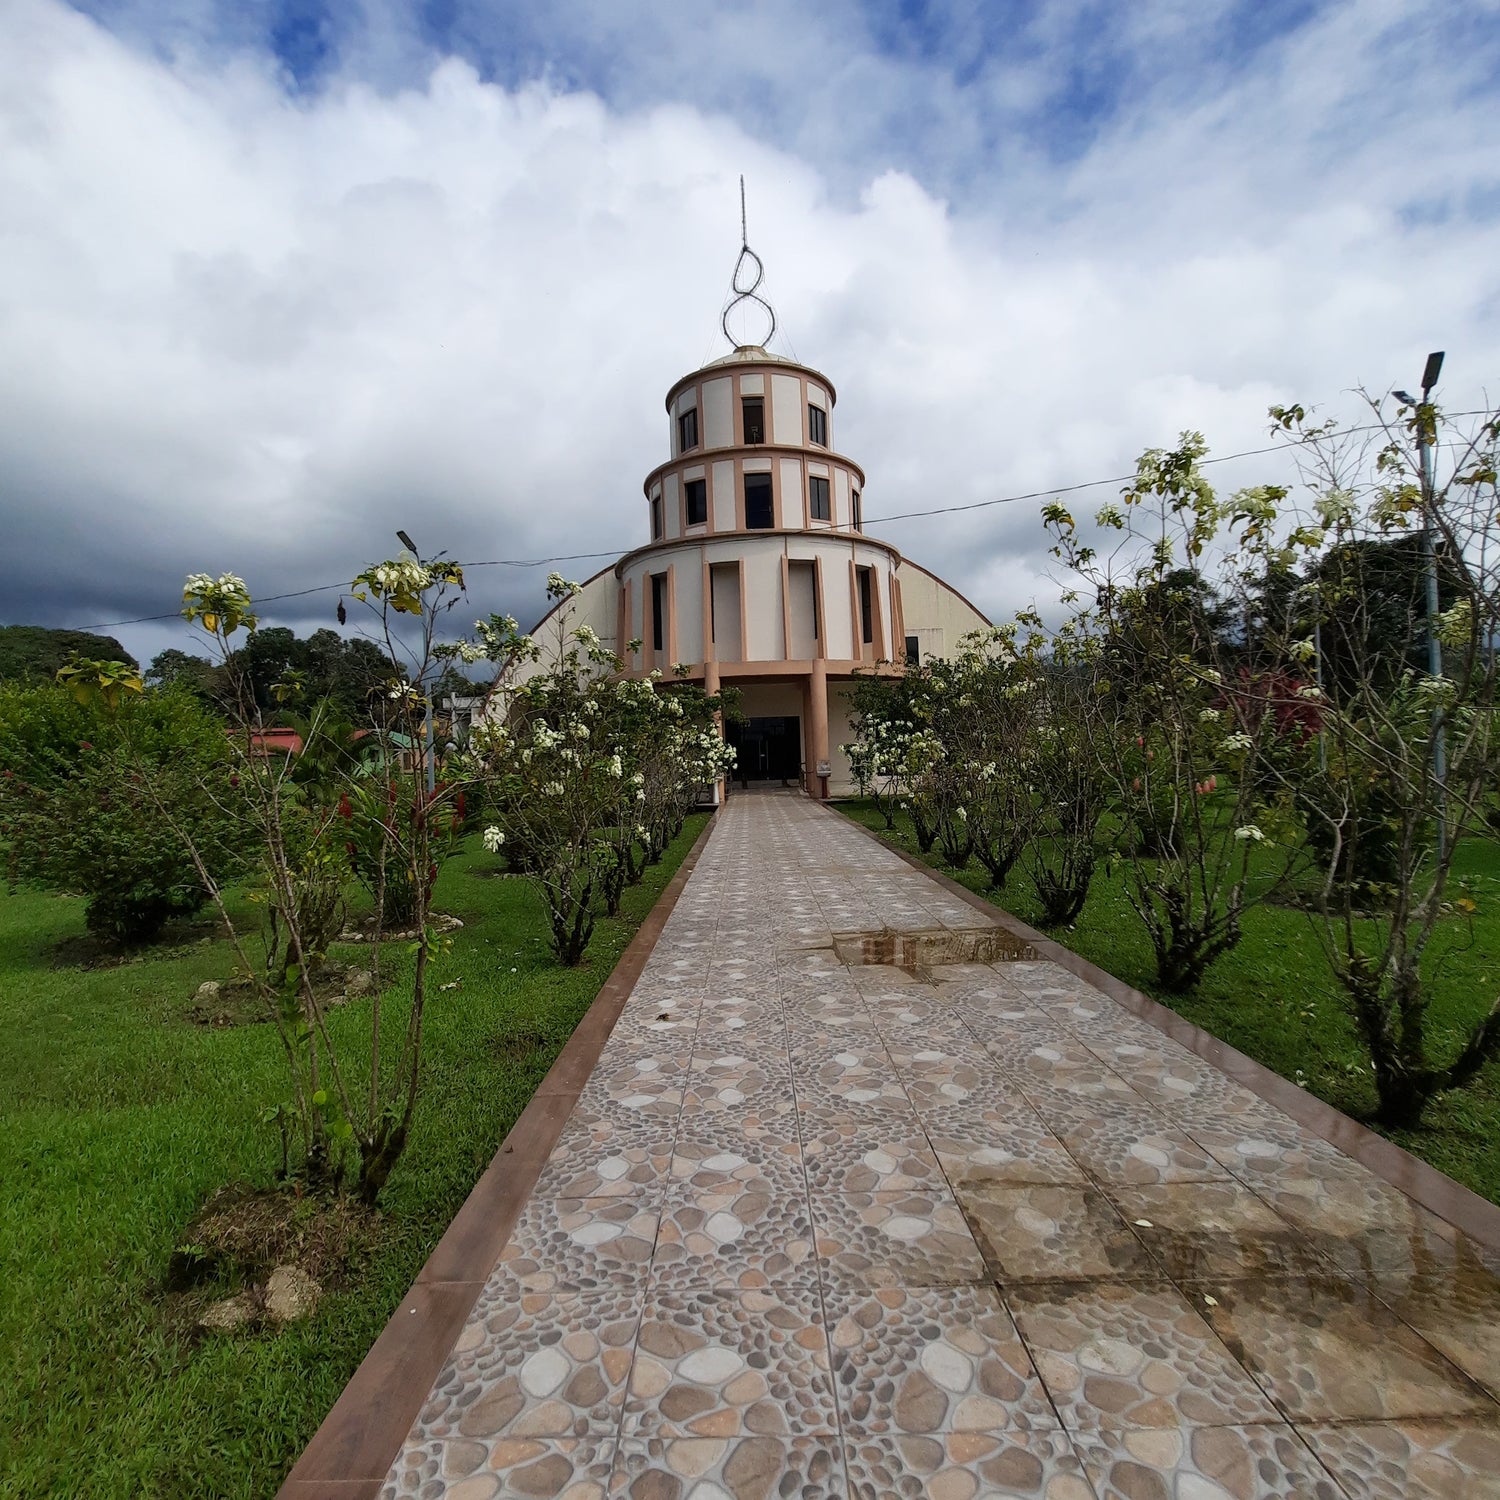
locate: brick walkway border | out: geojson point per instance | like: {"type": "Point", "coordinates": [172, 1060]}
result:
{"type": "Point", "coordinates": [1423, 1184]}
{"type": "Point", "coordinates": [352, 1451]}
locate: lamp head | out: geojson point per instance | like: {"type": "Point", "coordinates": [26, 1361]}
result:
{"type": "Point", "coordinates": [407, 542]}
{"type": "Point", "coordinates": [1432, 371]}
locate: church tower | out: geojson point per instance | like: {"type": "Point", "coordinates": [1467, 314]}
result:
{"type": "Point", "coordinates": [758, 573]}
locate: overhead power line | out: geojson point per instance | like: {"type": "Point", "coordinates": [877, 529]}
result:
{"type": "Point", "coordinates": [905, 515]}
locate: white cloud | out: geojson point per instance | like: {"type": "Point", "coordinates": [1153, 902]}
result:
{"type": "Point", "coordinates": [243, 330]}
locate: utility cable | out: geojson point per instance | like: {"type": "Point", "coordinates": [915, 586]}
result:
{"type": "Point", "coordinates": [905, 515]}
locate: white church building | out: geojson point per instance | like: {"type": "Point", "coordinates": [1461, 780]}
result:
{"type": "Point", "coordinates": [759, 574]}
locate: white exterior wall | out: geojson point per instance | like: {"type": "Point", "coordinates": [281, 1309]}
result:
{"type": "Point", "coordinates": [763, 580]}
{"type": "Point", "coordinates": [937, 615]}
{"type": "Point", "coordinates": [840, 733]}
{"type": "Point", "coordinates": [725, 581]}
{"type": "Point", "coordinates": [716, 427]}
{"type": "Point", "coordinates": [671, 505]}
{"type": "Point", "coordinates": [801, 591]}
{"type": "Point", "coordinates": [793, 502]}
{"type": "Point", "coordinates": [786, 410]}
{"type": "Point", "coordinates": [841, 515]}
{"type": "Point", "coordinates": [724, 500]}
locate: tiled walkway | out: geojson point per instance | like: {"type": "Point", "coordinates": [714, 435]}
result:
{"type": "Point", "coordinates": [817, 1230]}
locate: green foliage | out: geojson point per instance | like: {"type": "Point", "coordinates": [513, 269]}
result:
{"type": "Point", "coordinates": [95, 802]}
{"type": "Point", "coordinates": [118, 1118]}
{"type": "Point", "coordinates": [38, 653]}
{"type": "Point", "coordinates": [590, 775]}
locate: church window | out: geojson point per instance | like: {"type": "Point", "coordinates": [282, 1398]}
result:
{"type": "Point", "coordinates": [866, 605]}
{"type": "Point", "coordinates": [817, 426]}
{"type": "Point", "coordinates": [697, 502]}
{"type": "Point", "coordinates": [859, 520]}
{"type": "Point", "coordinates": [687, 430]}
{"type": "Point", "coordinates": [753, 411]}
{"type": "Point", "coordinates": [656, 524]}
{"type": "Point", "coordinates": [658, 611]}
{"type": "Point", "coordinates": [913, 651]}
{"type": "Point", "coordinates": [817, 498]}
{"type": "Point", "coordinates": [760, 514]}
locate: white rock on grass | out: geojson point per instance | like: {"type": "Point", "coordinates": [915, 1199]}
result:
{"type": "Point", "coordinates": [291, 1294]}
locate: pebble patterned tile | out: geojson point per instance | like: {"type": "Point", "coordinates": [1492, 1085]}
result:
{"type": "Point", "coordinates": [966, 1466]}
{"type": "Point", "coordinates": [1212, 1229]}
{"type": "Point", "coordinates": [537, 1366]}
{"type": "Point", "coordinates": [1122, 1354]}
{"type": "Point", "coordinates": [507, 1469]}
{"type": "Point", "coordinates": [1218, 1463]}
{"type": "Point", "coordinates": [735, 1235]}
{"type": "Point", "coordinates": [883, 1153]}
{"type": "Point", "coordinates": [714, 1154]}
{"type": "Point", "coordinates": [894, 1239]}
{"type": "Point", "coordinates": [909, 1361]}
{"type": "Point", "coordinates": [721, 1364]}
{"type": "Point", "coordinates": [1052, 1232]}
{"type": "Point", "coordinates": [1452, 1459]}
{"type": "Point", "coordinates": [751, 1468]}
{"type": "Point", "coordinates": [950, 1232]}
{"type": "Point", "coordinates": [1328, 1350]}
{"type": "Point", "coordinates": [577, 1244]}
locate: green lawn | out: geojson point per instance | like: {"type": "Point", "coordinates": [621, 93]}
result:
{"type": "Point", "coordinates": [1273, 998]}
{"type": "Point", "coordinates": [118, 1117]}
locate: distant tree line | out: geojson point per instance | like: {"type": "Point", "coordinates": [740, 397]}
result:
{"type": "Point", "coordinates": [323, 666]}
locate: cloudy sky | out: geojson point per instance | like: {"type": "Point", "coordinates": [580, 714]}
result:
{"type": "Point", "coordinates": [277, 277]}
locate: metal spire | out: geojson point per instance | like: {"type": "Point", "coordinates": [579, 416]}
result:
{"type": "Point", "coordinates": [750, 293]}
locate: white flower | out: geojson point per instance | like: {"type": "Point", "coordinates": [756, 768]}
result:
{"type": "Point", "coordinates": [1310, 693]}
{"type": "Point", "coordinates": [553, 789]}
{"type": "Point", "coordinates": [1250, 832]}
{"type": "Point", "coordinates": [1238, 742]}
{"type": "Point", "coordinates": [614, 766]}
{"type": "Point", "coordinates": [493, 838]}
{"type": "Point", "coordinates": [1209, 716]}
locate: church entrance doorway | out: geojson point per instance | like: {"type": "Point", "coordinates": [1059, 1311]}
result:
{"type": "Point", "coordinates": [769, 749]}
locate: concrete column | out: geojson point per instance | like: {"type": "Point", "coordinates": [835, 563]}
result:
{"type": "Point", "coordinates": [817, 729]}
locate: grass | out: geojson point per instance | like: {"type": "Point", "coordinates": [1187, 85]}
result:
{"type": "Point", "coordinates": [118, 1118]}
{"type": "Point", "coordinates": [1273, 997]}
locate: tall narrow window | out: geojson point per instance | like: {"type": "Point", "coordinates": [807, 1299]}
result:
{"type": "Point", "coordinates": [658, 611]}
{"type": "Point", "coordinates": [687, 430]}
{"type": "Point", "coordinates": [866, 606]}
{"type": "Point", "coordinates": [817, 498]}
{"type": "Point", "coordinates": [753, 410]}
{"type": "Point", "coordinates": [697, 502]}
{"type": "Point", "coordinates": [913, 651]}
{"type": "Point", "coordinates": [817, 426]}
{"type": "Point", "coordinates": [656, 526]}
{"type": "Point", "coordinates": [859, 520]}
{"type": "Point", "coordinates": [760, 514]}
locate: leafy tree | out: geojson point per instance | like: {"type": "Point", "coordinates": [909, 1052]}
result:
{"type": "Point", "coordinates": [1179, 756]}
{"type": "Point", "coordinates": [94, 797]}
{"type": "Point", "coordinates": [1407, 761]}
{"type": "Point", "coordinates": [40, 653]}
{"type": "Point", "coordinates": [181, 668]}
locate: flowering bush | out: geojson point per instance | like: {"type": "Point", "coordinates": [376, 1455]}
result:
{"type": "Point", "coordinates": [79, 812]}
{"type": "Point", "coordinates": [591, 773]}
